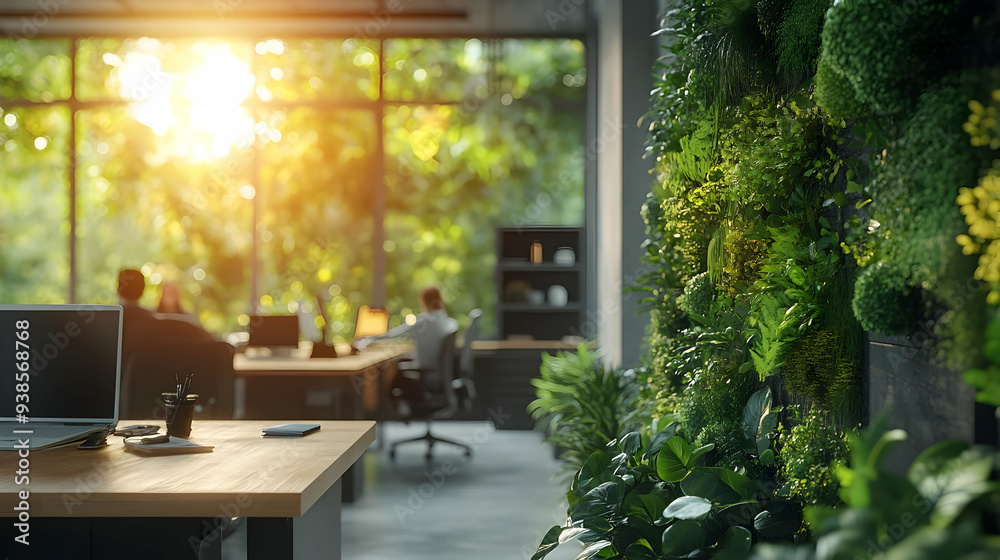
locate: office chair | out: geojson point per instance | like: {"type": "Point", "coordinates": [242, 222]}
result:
{"type": "Point", "coordinates": [432, 397]}
{"type": "Point", "coordinates": [148, 370]}
{"type": "Point", "coordinates": [465, 384]}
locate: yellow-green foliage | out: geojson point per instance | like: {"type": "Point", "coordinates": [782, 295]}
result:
{"type": "Point", "coordinates": [806, 456]}
{"type": "Point", "coordinates": [698, 295]}
{"type": "Point", "coordinates": [981, 205]}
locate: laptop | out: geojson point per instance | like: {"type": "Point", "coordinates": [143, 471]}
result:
{"type": "Point", "coordinates": [66, 362]}
{"type": "Point", "coordinates": [274, 331]}
{"type": "Point", "coordinates": [372, 321]}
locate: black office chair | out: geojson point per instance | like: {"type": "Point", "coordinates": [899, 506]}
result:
{"type": "Point", "coordinates": [148, 371]}
{"type": "Point", "coordinates": [465, 384]}
{"type": "Point", "coordinates": [429, 395]}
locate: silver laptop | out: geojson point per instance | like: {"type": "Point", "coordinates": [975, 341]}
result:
{"type": "Point", "coordinates": [60, 373]}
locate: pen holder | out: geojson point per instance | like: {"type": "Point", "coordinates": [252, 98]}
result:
{"type": "Point", "coordinates": [179, 414]}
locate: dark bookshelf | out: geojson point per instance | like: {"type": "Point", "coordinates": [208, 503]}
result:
{"type": "Point", "coordinates": [516, 275]}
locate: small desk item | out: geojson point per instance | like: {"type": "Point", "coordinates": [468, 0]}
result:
{"type": "Point", "coordinates": [173, 446]}
{"type": "Point", "coordinates": [290, 430]}
{"type": "Point", "coordinates": [136, 430]}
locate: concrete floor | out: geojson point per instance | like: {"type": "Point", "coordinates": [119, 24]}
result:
{"type": "Point", "coordinates": [494, 506]}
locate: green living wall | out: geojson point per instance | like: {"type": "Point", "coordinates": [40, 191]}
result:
{"type": "Point", "coordinates": [822, 169]}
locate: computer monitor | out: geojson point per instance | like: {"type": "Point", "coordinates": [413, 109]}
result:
{"type": "Point", "coordinates": [274, 331]}
{"type": "Point", "coordinates": [372, 321]}
{"type": "Point", "coordinates": [72, 358]}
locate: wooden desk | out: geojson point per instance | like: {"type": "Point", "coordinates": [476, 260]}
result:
{"type": "Point", "coordinates": [370, 357]}
{"type": "Point", "coordinates": [343, 388]}
{"type": "Point", "coordinates": [288, 488]}
{"type": "Point", "coordinates": [272, 374]}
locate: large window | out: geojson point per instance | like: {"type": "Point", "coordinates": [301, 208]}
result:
{"type": "Point", "coordinates": [275, 176]}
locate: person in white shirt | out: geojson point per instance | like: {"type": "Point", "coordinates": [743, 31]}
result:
{"type": "Point", "coordinates": [427, 333]}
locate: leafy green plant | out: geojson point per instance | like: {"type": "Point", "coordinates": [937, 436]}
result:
{"type": "Point", "coordinates": [916, 186]}
{"type": "Point", "coordinates": [885, 59]}
{"type": "Point", "coordinates": [807, 457]}
{"type": "Point", "coordinates": [717, 392]}
{"type": "Point", "coordinates": [655, 496]}
{"type": "Point", "coordinates": [582, 404]}
{"type": "Point", "coordinates": [698, 295]}
{"type": "Point", "coordinates": [818, 366]}
{"type": "Point", "coordinates": [836, 94]}
{"type": "Point", "coordinates": [884, 301]}
{"type": "Point", "coordinates": [742, 441]}
{"type": "Point", "coordinates": [772, 335]}
{"type": "Point", "coordinates": [933, 512]}
{"type": "Point", "coordinates": [710, 342]}
{"type": "Point", "coordinates": [799, 38]}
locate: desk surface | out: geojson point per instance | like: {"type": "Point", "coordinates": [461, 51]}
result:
{"type": "Point", "coordinates": [485, 345]}
{"type": "Point", "coordinates": [341, 365]}
{"type": "Point", "coordinates": [259, 477]}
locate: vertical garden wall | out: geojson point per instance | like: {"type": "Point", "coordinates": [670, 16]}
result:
{"type": "Point", "coordinates": [827, 174]}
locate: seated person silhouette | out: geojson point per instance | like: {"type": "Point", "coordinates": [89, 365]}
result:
{"type": "Point", "coordinates": [142, 327]}
{"type": "Point", "coordinates": [427, 333]}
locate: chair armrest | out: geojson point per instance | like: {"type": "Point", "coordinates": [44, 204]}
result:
{"type": "Point", "coordinates": [464, 387]}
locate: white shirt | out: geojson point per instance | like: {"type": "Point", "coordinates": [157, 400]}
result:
{"type": "Point", "coordinates": [427, 333]}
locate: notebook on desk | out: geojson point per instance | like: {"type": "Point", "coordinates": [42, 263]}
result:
{"type": "Point", "coordinates": [60, 367]}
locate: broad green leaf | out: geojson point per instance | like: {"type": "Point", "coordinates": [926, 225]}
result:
{"type": "Point", "coordinates": [661, 438]}
{"type": "Point", "coordinates": [593, 550]}
{"type": "Point", "coordinates": [795, 274]}
{"type": "Point", "coordinates": [699, 452]}
{"type": "Point", "coordinates": [682, 536]}
{"type": "Point", "coordinates": [718, 485]}
{"type": "Point", "coordinates": [672, 460]}
{"type": "Point", "coordinates": [767, 458]}
{"type": "Point", "coordinates": [639, 550]}
{"type": "Point", "coordinates": [734, 545]}
{"type": "Point", "coordinates": [549, 542]}
{"type": "Point", "coordinates": [756, 409]}
{"type": "Point", "coordinates": [597, 463]}
{"type": "Point", "coordinates": [763, 444]}
{"type": "Point", "coordinates": [653, 504]}
{"type": "Point", "coordinates": [630, 443]}
{"type": "Point", "coordinates": [780, 520]}
{"type": "Point", "coordinates": [933, 459]}
{"type": "Point", "coordinates": [688, 507]}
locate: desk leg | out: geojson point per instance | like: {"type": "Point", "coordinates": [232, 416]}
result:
{"type": "Point", "coordinates": [314, 535]}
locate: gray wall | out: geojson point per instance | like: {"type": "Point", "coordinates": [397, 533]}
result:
{"type": "Point", "coordinates": [625, 56]}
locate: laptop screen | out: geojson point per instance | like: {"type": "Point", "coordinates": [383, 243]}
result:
{"type": "Point", "coordinates": [371, 322]}
{"type": "Point", "coordinates": [274, 331]}
{"type": "Point", "coordinates": [73, 357]}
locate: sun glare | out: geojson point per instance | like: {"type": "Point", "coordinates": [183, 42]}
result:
{"type": "Point", "coordinates": [208, 120]}
{"type": "Point", "coordinates": [216, 89]}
